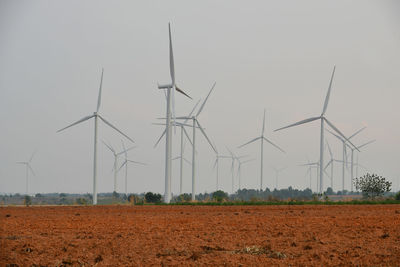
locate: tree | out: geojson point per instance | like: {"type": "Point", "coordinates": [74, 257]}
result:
{"type": "Point", "coordinates": [372, 185]}
{"type": "Point", "coordinates": [219, 196]}
{"type": "Point", "coordinates": [329, 191]}
{"type": "Point", "coordinates": [27, 200]}
{"type": "Point", "coordinates": [152, 197]}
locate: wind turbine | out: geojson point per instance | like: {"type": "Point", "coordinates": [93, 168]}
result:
{"type": "Point", "coordinates": [183, 132]}
{"type": "Point", "coordinates": [277, 171]}
{"type": "Point", "coordinates": [96, 116]}
{"type": "Point", "coordinates": [234, 157]}
{"type": "Point", "coordinates": [352, 159]}
{"type": "Point", "coordinates": [196, 124]}
{"type": "Point", "coordinates": [262, 138]}
{"type": "Point", "coordinates": [310, 166]}
{"type": "Point", "coordinates": [323, 120]}
{"type": "Point", "coordinates": [345, 153]}
{"type": "Point", "coordinates": [116, 155]}
{"type": "Point", "coordinates": [239, 171]}
{"type": "Point", "coordinates": [216, 165]}
{"type": "Point", "coordinates": [28, 169]}
{"type": "Point", "coordinates": [125, 163]}
{"type": "Point", "coordinates": [168, 129]}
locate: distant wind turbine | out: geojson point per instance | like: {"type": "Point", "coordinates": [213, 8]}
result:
{"type": "Point", "coordinates": [344, 161]}
{"type": "Point", "coordinates": [125, 163]}
{"type": "Point", "coordinates": [168, 129]}
{"type": "Point", "coordinates": [277, 171]}
{"type": "Point", "coordinates": [262, 138]}
{"type": "Point", "coordinates": [96, 116]}
{"type": "Point", "coordinates": [196, 124]}
{"type": "Point", "coordinates": [28, 169]}
{"type": "Point", "coordinates": [239, 171]}
{"type": "Point", "coordinates": [115, 166]}
{"type": "Point", "coordinates": [216, 165]}
{"type": "Point", "coordinates": [323, 120]}
{"type": "Point", "coordinates": [234, 157]}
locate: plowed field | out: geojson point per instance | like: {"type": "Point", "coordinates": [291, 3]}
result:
{"type": "Point", "coordinates": [200, 235]}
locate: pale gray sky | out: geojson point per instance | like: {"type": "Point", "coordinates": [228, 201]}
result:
{"type": "Point", "coordinates": [276, 55]}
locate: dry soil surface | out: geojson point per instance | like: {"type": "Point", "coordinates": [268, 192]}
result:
{"type": "Point", "coordinates": [361, 235]}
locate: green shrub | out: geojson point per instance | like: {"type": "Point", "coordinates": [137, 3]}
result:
{"type": "Point", "coordinates": [372, 185]}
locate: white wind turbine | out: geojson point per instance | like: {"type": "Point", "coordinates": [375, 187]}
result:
{"type": "Point", "coordinates": [277, 171]}
{"type": "Point", "coordinates": [352, 159]}
{"type": "Point", "coordinates": [344, 160]}
{"type": "Point", "coordinates": [239, 171]}
{"type": "Point", "coordinates": [115, 166]}
{"type": "Point", "coordinates": [330, 163]}
{"type": "Point", "coordinates": [125, 163]}
{"type": "Point", "coordinates": [183, 132]}
{"type": "Point", "coordinates": [96, 116]}
{"type": "Point", "coordinates": [262, 139]}
{"type": "Point", "coordinates": [168, 129]}
{"type": "Point", "coordinates": [234, 157]}
{"type": "Point", "coordinates": [310, 166]}
{"type": "Point", "coordinates": [323, 119]}
{"type": "Point", "coordinates": [216, 165]}
{"type": "Point", "coordinates": [196, 124]}
{"type": "Point", "coordinates": [28, 169]}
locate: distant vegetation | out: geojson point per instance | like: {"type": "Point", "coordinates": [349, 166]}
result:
{"type": "Point", "coordinates": [286, 196]}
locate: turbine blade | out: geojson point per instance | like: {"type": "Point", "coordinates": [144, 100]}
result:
{"type": "Point", "coordinates": [329, 93]}
{"type": "Point", "coordinates": [215, 163]}
{"type": "Point", "coordinates": [171, 57]}
{"type": "Point", "coordinates": [187, 136]}
{"type": "Point", "coordinates": [190, 114]}
{"type": "Point", "coordinates": [122, 165]}
{"type": "Point", "coordinates": [329, 148]}
{"type": "Point", "coordinates": [159, 139]}
{"type": "Point", "coordinates": [205, 135]}
{"type": "Point", "coordinates": [339, 132]}
{"type": "Point", "coordinates": [251, 141]}
{"type": "Point", "coordinates": [178, 157]}
{"type": "Point", "coordinates": [182, 92]}
{"type": "Point", "coordinates": [33, 154]}
{"type": "Point", "coordinates": [126, 150]}
{"type": "Point", "coordinates": [101, 85]}
{"type": "Point", "coordinates": [263, 128]}
{"type": "Point", "coordinates": [109, 147]}
{"type": "Point", "coordinates": [337, 136]}
{"type": "Point", "coordinates": [137, 162]}
{"type": "Point", "coordinates": [30, 168]}
{"type": "Point", "coordinates": [329, 163]}
{"type": "Point", "coordinates": [299, 123]}
{"type": "Point", "coordinates": [188, 162]}
{"type": "Point", "coordinates": [115, 128]}
{"type": "Point", "coordinates": [205, 100]}
{"type": "Point", "coordinates": [75, 123]}
{"type": "Point", "coordinates": [366, 143]}
{"type": "Point", "coordinates": [359, 131]}
{"type": "Point", "coordinates": [274, 145]}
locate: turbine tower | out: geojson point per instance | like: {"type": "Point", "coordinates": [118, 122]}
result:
{"type": "Point", "coordinates": [28, 169]}
{"type": "Point", "coordinates": [168, 128]}
{"type": "Point", "coordinates": [216, 165]}
{"type": "Point", "coordinates": [234, 157]}
{"type": "Point", "coordinates": [262, 138]}
{"type": "Point", "coordinates": [323, 119]}
{"type": "Point", "coordinates": [96, 116]}
{"type": "Point", "coordinates": [116, 155]}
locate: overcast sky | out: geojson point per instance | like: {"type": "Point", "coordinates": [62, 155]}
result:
{"type": "Point", "coordinates": [276, 55]}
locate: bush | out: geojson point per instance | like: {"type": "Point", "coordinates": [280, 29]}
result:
{"type": "Point", "coordinates": [397, 196]}
{"type": "Point", "coordinates": [81, 201]}
{"type": "Point", "coordinates": [152, 197]}
{"type": "Point", "coordinates": [220, 196]}
{"type": "Point", "coordinates": [372, 186]}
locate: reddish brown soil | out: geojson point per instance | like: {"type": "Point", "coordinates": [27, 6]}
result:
{"type": "Point", "coordinates": [200, 235]}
